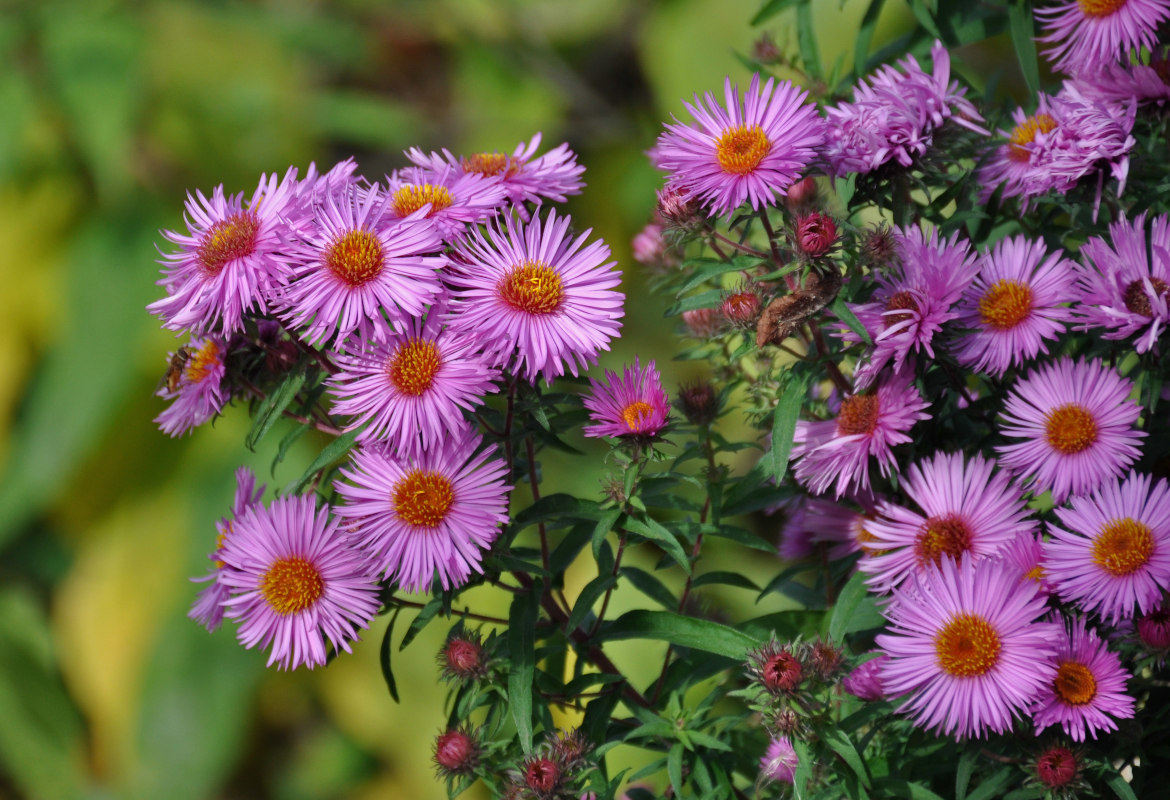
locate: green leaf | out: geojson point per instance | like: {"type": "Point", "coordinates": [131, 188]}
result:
{"type": "Point", "coordinates": [674, 767]}
{"type": "Point", "coordinates": [605, 524]}
{"type": "Point", "coordinates": [273, 406]}
{"type": "Point", "coordinates": [650, 586]}
{"type": "Point", "coordinates": [1119, 786]}
{"type": "Point", "coordinates": [785, 624]}
{"type": "Point", "coordinates": [653, 530]}
{"type": "Point", "coordinates": [925, 17]}
{"type": "Point", "coordinates": [841, 744]}
{"type": "Point", "coordinates": [963, 773]}
{"type": "Point", "coordinates": [726, 579]}
{"type": "Point", "coordinates": [864, 37]}
{"type": "Point", "coordinates": [589, 595]}
{"type": "Point", "coordinates": [842, 311]}
{"type": "Point", "coordinates": [806, 40]}
{"type": "Point", "coordinates": [784, 424]}
{"type": "Point", "coordinates": [991, 786]}
{"type": "Point", "coordinates": [708, 299]}
{"type": "Point", "coordinates": [384, 656]}
{"type": "Point", "coordinates": [552, 507]}
{"type": "Point", "coordinates": [771, 9]}
{"type": "Point", "coordinates": [855, 610]}
{"type": "Point", "coordinates": [666, 626]}
{"type": "Point", "coordinates": [425, 615]}
{"type": "Point", "coordinates": [710, 268]}
{"type": "Point", "coordinates": [1023, 31]}
{"type": "Point", "coordinates": [287, 441]}
{"type": "Point", "coordinates": [330, 453]}
{"type": "Point", "coordinates": [897, 787]}
{"type": "Point", "coordinates": [521, 651]}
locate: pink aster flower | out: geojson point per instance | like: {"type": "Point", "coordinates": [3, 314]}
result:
{"type": "Point", "coordinates": [1111, 551]}
{"type": "Point", "coordinates": [835, 453]}
{"type": "Point", "coordinates": [967, 646]}
{"type": "Point", "coordinates": [1089, 34]}
{"type": "Point", "coordinates": [1076, 422]}
{"type": "Point", "coordinates": [231, 260]}
{"type": "Point", "coordinates": [746, 150]}
{"type": "Point", "coordinates": [1088, 692]}
{"type": "Point", "coordinates": [967, 508]}
{"type": "Point", "coordinates": [435, 512]}
{"type": "Point", "coordinates": [912, 302]}
{"type": "Point", "coordinates": [356, 266]}
{"type": "Point", "coordinates": [453, 199]}
{"type": "Point", "coordinates": [632, 405]}
{"type": "Point", "coordinates": [1126, 83]}
{"type": "Point", "coordinates": [296, 581]}
{"type": "Point", "coordinates": [194, 381]}
{"type": "Point", "coordinates": [1069, 137]}
{"type": "Point", "coordinates": [865, 681]}
{"type": "Point", "coordinates": [1017, 301]}
{"type": "Point", "coordinates": [208, 608]}
{"type": "Point", "coordinates": [524, 176]}
{"type": "Point", "coordinates": [1125, 285]}
{"type": "Point", "coordinates": [780, 761]}
{"type": "Point", "coordinates": [534, 297]}
{"type": "Point", "coordinates": [1025, 556]}
{"type": "Point", "coordinates": [411, 388]}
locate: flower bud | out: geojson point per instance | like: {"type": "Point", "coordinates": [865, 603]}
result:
{"type": "Point", "coordinates": [1057, 767]}
{"type": "Point", "coordinates": [878, 247]}
{"type": "Point", "coordinates": [676, 208]}
{"type": "Point", "coordinates": [649, 247]}
{"type": "Point", "coordinates": [801, 196]}
{"type": "Point", "coordinates": [825, 659]}
{"type": "Point", "coordinates": [742, 307]}
{"type": "Point", "coordinates": [865, 681]}
{"type": "Point", "coordinates": [542, 775]}
{"type": "Point", "coordinates": [698, 402]}
{"type": "Point", "coordinates": [775, 667]}
{"type": "Point", "coordinates": [816, 234]}
{"type": "Point", "coordinates": [703, 322]}
{"type": "Point", "coordinates": [456, 753]}
{"type": "Point", "coordinates": [765, 50]}
{"type": "Point", "coordinates": [463, 658]}
{"type": "Point", "coordinates": [1154, 629]}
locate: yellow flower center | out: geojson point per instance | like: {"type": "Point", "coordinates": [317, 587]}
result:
{"type": "Point", "coordinates": [858, 414]}
{"type": "Point", "coordinates": [488, 164]}
{"type": "Point", "coordinates": [356, 258]}
{"type": "Point", "coordinates": [292, 585]}
{"type": "Point", "coordinates": [1070, 429]}
{"type": "Point", "coordinates": [1074, 683]}
{"type": "Point", "coordinates": [410, 199]}
{"type": "Point", "coordinates": [941, 536]}
{"type": "Point", "coordinates": [1036, 573]}
{"type": "Point", "coordinates": [1005, 305]}
{"type": "Point", "coordinates": [740, 150]}
{"type": "Point", "coordinates": [227, 240]}
{"type": "Point", "coordinates": [636, 414]}
{"type": "Point", "coordinates": [203, 361]}
{"type": "Point", "coordinates": [967, 646]}
{"type": "Point", "coordinates": [1123, 546]}
{"type": "Point", "coordinates": [1025, 133]}
{"type": "Point", "coordinates": [423, 498]}
{"type": "Point", "coordinates": [533, 288]}
{"type": "Point", "coordinates": [1100, 8]}
{"type": "Point", "coordinates": [413, 366]}
{"type": "Point", "coordinates": [901, 301]}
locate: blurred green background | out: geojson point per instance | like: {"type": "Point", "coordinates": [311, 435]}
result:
{"type": "Point", "coordinates": [110, 110]}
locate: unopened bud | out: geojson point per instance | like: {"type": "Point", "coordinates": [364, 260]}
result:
{"type": "Point", "coordinates": [1154, 629]}
{"type": "Point", "coordinates": [801, 196]}
{"type": "Point", "coordinates": [1056, 767]}
{"type": "Point", "coordinates": [456, 753]}
{"type": "Point", "coordinates": [463, 658]}
{"type": "Point", "coordinates": [816, 234]}
{"type": "Point", "coordinates": [698, 402]}
{"type": "Point", "coordinates": [703, 322]}
{"type": "Point", "coordinates": [542, 775]}
{"type": "Point", "coordinates": [677, 208]}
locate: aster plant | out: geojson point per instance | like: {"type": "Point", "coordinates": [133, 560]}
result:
{"type": "Point", "coordinates": [929, 439]}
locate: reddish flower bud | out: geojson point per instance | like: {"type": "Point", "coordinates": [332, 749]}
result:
{"type": "Point", "coordinates": [815, 234]}
{"type": "Point", "coordinates": [765, 50]}
{"type": "Point", "coordinates": [776, 667]}
{"type": "Point", "coordinates": [699, 402]}
{"type": "Point", "coordinates": [703, 322]}
{"type": "Point", "coordinates": [569, 749]}
{"type": "Point", "coordinates": [542, 775]}
{"type": "Point", "coordinates": [742, 308]}
{"type": "Point", "coordinates": [865, 681]}
{"type": "Point", "coordinates": [676, 208]}
{"type": "Point", "coordinates": [649, 247]}
{"type": "Point", "coordinates": [1154, 629]}
{"type": "Point", "coordinates": [456, 753]}
{"type": "Point", "coordinates": [1057, 767]}
{"type": "Point", "coordinates": [802, 195]}
{"type": "Point", "coordinates": [878, 247]}
{"type": "Point", "coordinates": [824, 660]}
{"type": "Point", "coordinates": [463, 658]}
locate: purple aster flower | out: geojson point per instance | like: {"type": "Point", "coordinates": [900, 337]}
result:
{"type": "Point", "coordinates": [194, 381]}
{"type": "Point", "coordinates": [1125, 83]}
{"type": "Point", "coordinates": [411, 388]}
{"type": "Point", "coordinates": [455, 199]}
{"type": "Point", "coordinates": [1076, 422]}
{"type": "Point", "coordinates": [1125, 283]}
{"type": "Point", "coordinates": [1111, 551]}
{"type": "Point", "coordinates": [1088, 692]}
{"type": "Point", "coordinates": [632, 405]}
{"type": "Point", "coordinates": [1015, 303]}
{"type": "Point", "coordinates": [865, 681]}
{"type": "Point", "coordinates": [295, 582]}
{"type": "Point", "coordinates": [911, 304]}
{"type": "Point", "coordinates": [894, 115]}
{"type": "Point", "coordinates": [525, 178]}
{"type": "Point", "coordinates": [534, 297]}
{"type": "Point", "coordinates": [356, 266]}
{"type": "Point", "coordinates": [967, 507]}
{"type": "Point", "coordinates": [1089, 34]}
{"type": "Point", "coordinates": [434, 512]}
{"type": "Point", "coordinates": [231, 260]}
{"type": "Point", "coordinates": [208, 609]}
{"type": "Point", "coordinates": [749, 150]}
{"type": "Point", "coordinates": [967, 645]}
{"type": "Point", "coordinates": [780, 761]}
{"type": "Point", "coordinates": [835, 453]}
{"type": "Point", "coordinates": [1068, 137]}
{"type": "Point", "coordinates": [1025, 556]}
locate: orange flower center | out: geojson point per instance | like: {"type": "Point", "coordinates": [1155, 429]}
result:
{"type": "Point", "coordinates": [636, 414]}
{"type": "Point", "coordinates": [967, 647]}
{"type": "Point", "coordinates": [356, 258]}
{"type": "Point", "coordinates": [1005, 305]}
{"type": "Point", "coordinates": [858, 414]}
{"type": "Point", "coordinates": [1136, 299]}
{"type": "Point", "coordinates": [941, 536]}
{"type": "Point", "coordinates": [740, 150]}
{"type": "Point", "coordinates": [1036, 573]}
{"type": "Point", "coordinates": [1123, 546]}
{"type": "Point", "coordinates": [423, 498]}
{"type": "Point", "coordinates": [203, 361]}
{"type": "Point", "coordinates": [413, 366]}
{"type": "Point", "coordinates": [292, 585]}
{"type": "Point", "coordinates": [487, 164]}
{"type": "Point", "coordinates": [1074, 683]}
{"type": "Point", "coordinates": [1025, 133]}
{"type": "Point", "coordinates": [901, 301]}
{"type": "Point", "coordinates": [533, 288]}
{"type": "Point", "coordinates": [226, 240]}
{"type": "Point", "coordinates": [1100, 8]}
{"type": "Point", "coordinates": [1070, 429]}
{"type": "Point", "coordinates": [410, 199]}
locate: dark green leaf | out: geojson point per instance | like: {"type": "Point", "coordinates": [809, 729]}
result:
{"type": "Point", "coordinates": [329, 454]}
{"type": "Point", "coordinates": [786, 625]}
{"type": "Point", "coordinates": [841, 309]}
{"type": "Point", "coordinates": [708, 299]}
{"type": "Point", "coordinates": [384, 656]}
{"type": "Point", "coordinates": [650, 586]}
{"type": "Point", "coordinates": [784, 424]}
{"type": "Point", "coordinates": [897, 787]}
{"type": "Point", "coordinates": [963, 773]}
{"type": "Point", "coordinates": [273, 406]}
{"type": "Point", "coordinates": [925, 17]}
{"type": "Point", "coordinates": [521, 651]}
{"type": "Point", "coordinates": [1118, 784]}
{"type": "Point", "coordinates": [1023, 33]}
{"type": "Point", "coordinates": [287, 441]}
{"type": "Point", "coordinates": [864, 37]}
{"type": "Point", "coordinates": [840, 744]}
{"type": "Point", "coordinates": [425, 615]}
{"type": "Point", "coordinates": [666, 626]}
{"type": "Point", "coordinates": [990, 787]}
{"type": "Point", "coordinates": [710, 268]}
{"type": "Point", "coordinates": [674, 767]}
{"type": "Point", "coordinates": [855, 610]}
{"type": "Point", "coordinates": [589, 595]}
{"type": "Point", "coordinates": [771, 9]}
{"type": "Point", "coordinates": [726, 579]}
{"type": "Point", "coordinates": [653, 530]}
{"type": "Point", "coordinates": [806, 40]}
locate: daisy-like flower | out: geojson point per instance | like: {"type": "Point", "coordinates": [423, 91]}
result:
{"type": "Point", "coordinates": [911, 304]}
{"type": "Point", "coordinates": [356, 266]}
{"type": "Point", "coordinates": [453, 199]}
{"type": "Point", "coordinates": [296, 581]}
{"type": "Point", "coordinates": [1069, 136]}
{"type": "Point", "coordinates": [1015, 303]}
{"type": "Point", "coordinates": [835, 453]}
{"type": "Point", "coordinates": [1025, 555]}
{"type": "Point", "coordinates": [1088, 692]}
{"type": "Point", "coordinates": [524, 176]}
{"type": "Point", "coordinates": [1125, 285]}
{"type": "Point", "coordinates": [1111, 551]}
{"type": "Point", "coordinates": [780, 761]}
{"type": "Point", "coordinates": [431, 513]}
{"type": "Point", "coordinates": [1088, 34]}
{"type": "Point", "coordinates": [746, 150]}
{"type": "Point", "coordinates": [231, 260]}
{"type": "Point", "coordinates": [967, 646]}
{"type": "Point", "coordinates": [1125, 83]}
{"type": "Point", "coordinates": [632, 405]}
{"type": "Point", "coordinates": [967, 508]}
{"type": "Point", "coordinates": [194, 381]}
{"type": "Point", "coordinates": [1076, 422]}
{"type": "Point", "coordinates": [535, 298]}
{"type": "Point", "coordinates": [208, 609]}
{"type": "Point", "coordinates": [411, 388]}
